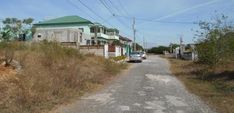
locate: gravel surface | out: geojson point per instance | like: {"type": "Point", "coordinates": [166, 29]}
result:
{"type": "Point", "coordinates": [147, 87]}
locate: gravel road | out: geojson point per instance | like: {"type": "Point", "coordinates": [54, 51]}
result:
{"type": "Point", "coordinates": [147, 87]}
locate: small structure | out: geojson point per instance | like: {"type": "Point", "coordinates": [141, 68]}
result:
{"type": "Point", "coordinates": [126, 45]}
{"type": "Point", "coordinates": [187, 54]}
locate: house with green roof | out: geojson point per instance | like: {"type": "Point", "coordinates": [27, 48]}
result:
{"type": "Point", "coordinates": [90, 31]}
{"type": "Point", "coordinates": [64, 29]}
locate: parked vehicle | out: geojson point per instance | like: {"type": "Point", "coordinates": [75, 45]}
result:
{"type": "Point", "coordinates": [143, 55]}
{"type": "Point", "coordinates": [135, 56]}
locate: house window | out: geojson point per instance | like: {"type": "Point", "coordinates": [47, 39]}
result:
{"type": "Point", "coordinates": [81, 29]}
{"type": "Point", "coordinates": [81, 38]}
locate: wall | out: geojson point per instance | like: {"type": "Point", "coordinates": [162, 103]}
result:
{"type": "Point", "coordinates": [114, 51]}
{"type": "Point", "coordinates": [100, 50]}
{"type": "Point", "coordinates": [86, 32]}
{"type": "Point", "coordinates": [190, 56]}
{"type": "Point", "coordinates": [61, 35]}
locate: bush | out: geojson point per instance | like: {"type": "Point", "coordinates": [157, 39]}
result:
{"type": "Point", "coordinates": [158, 50]}
{"type": "Point", "coordinates": [215, 45]}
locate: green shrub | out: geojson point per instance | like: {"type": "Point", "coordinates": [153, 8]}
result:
{"type": "Point", "coordinates": [119, 58]}
{"type": "Point", "coordinates": [215, 45]}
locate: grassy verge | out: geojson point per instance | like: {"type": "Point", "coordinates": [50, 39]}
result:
{"type": "Point", "coordinates": [50, 75]}
{"type": "Point", "coordinates": [216, 88]}
{"type": "Point", "coordinates": [118, 58]}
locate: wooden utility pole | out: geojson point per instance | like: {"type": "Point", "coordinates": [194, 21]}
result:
{"type": "Point", "coordinates": [134, 34]}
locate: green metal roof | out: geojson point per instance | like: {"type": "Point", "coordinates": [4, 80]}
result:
{"type": "Point", "coordinates": [98, 24]}
{"type": "Point", "coordinates": [65, 20]}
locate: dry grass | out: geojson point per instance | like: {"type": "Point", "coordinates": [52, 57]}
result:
{"type": "Point", "coordinates": [216, 88]}
{"type": "Point", "coordinates": [51, 75]}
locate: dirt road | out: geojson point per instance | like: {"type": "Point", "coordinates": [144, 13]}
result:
{"type": "Point", "coordinates": [147, 87]}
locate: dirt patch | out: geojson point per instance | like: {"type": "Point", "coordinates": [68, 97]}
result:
{"type": "Point", "coordinates": [6, 73]}
{"type": "Point", "coordinates": [215, 88]}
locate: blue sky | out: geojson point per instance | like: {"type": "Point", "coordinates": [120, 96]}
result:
{"type": "Point", "coordinates": [164, 13]}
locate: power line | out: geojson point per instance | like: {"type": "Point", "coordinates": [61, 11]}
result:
{"type": "Point", "coordinates": [104, 20]}
{"type": "Point", "coordinates": [157, 21]}
{"type": "Point", "coordinates": [93, 11]}
{"type": "Point", "coordinates": [113, 13]}
{"type": "Point", "coordinates": [104, 4]}
{"type": "Point", "coordinates": [74, 5]}
{"type": "Point", "coordinates": [115, 7]}
{"type": "Point", "coordinates": [124, 9]}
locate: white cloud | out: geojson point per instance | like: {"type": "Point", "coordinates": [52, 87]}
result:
{"type": "Point", "coordinates": [187, 9]}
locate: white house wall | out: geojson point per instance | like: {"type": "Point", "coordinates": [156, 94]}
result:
{"type": "Point", "coordinates": [114, 37]}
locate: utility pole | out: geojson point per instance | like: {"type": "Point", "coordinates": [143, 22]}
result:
{"type": "Point", "coordinates": [143, 43]}
{"type": "Point", "coordinates": [95, 35]}
{"type": "Point", "coordinates": [134, 34]}
{"type": "Point", "coordinates": [181, 46]}
{"type": "Point", "coordinates": [171, 51]}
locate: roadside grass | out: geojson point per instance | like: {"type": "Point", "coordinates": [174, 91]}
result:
{"type": "Point", "coordinates": [216, 88]}
{"type": "Point", "coordinates": [119, 58]}
{"type": "Point", "coordinates": [50, 75]}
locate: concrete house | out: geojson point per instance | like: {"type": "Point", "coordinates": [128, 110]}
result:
{"type": "Point", "coordinates": [104, 35]}
{"type": "Point", "coordinates": [126, 47]}
{"type": "Point", "coordinates": [68, 29]}
{"type": "Point", "coordinates": [76, 31]}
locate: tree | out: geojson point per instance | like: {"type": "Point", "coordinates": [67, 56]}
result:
{"type": "Point", "coordinates": [213, 46]}
{"type": "Point", "coordinates": [13, 27]}
{"type": "Point", "coordinates": [173, 46]}
{"type": "Point", "coordinates": [28, 21]}
{"type": "Point", "coordinates": [158, 50]}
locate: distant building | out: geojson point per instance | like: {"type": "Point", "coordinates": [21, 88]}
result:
{"type": "Point", "coordinates": [126, 47]}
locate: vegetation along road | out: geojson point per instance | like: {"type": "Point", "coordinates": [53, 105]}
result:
{"type": "Point", "coordinates": [147, 87]}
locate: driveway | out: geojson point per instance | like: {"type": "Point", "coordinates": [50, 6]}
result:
{"type": "Point", "coordinates": [148, 87]}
